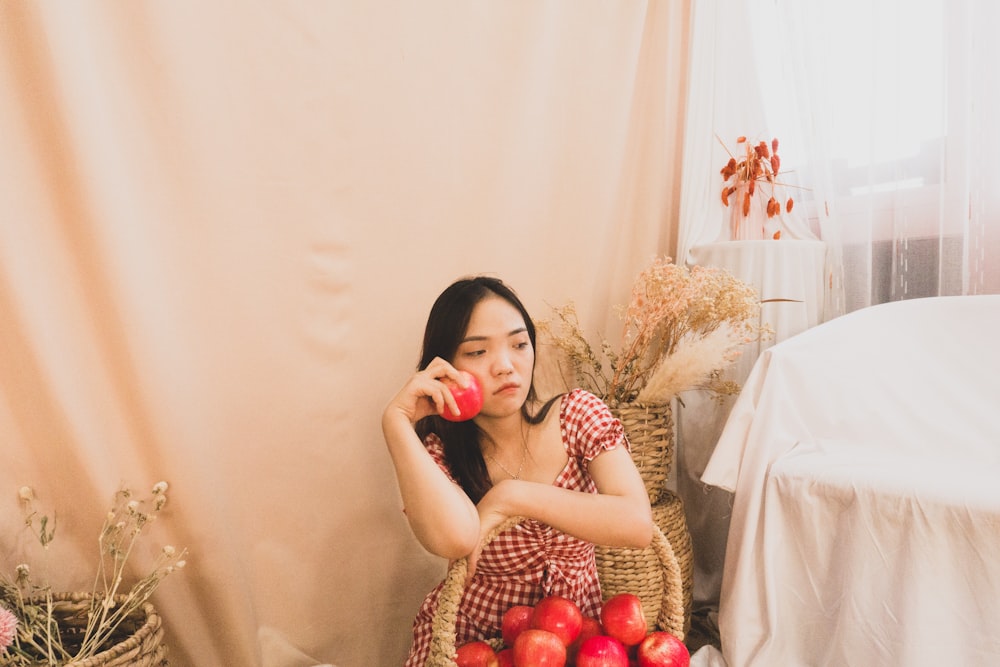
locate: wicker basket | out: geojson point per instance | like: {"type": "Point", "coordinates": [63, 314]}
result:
{"type": "Point", "coordinates": [138, 639]}
{"type": "Point", "coordinates": [670, 604]}
{"type": "Point", "coordinates": [642, 571]}
{"type": "Point", "coordinates": [650, 431]}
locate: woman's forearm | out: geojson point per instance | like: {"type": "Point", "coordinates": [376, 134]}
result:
{"type": "Point", "coordinates": [605, 519]}
{"type": "Point", "coordinates": [441, 515]}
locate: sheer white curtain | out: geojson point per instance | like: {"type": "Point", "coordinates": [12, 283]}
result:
{"type": "Point", "coordinates": [884, 111]}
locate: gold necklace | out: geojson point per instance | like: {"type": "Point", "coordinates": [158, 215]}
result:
{"type": "Point", "coordinates": [524, 457]}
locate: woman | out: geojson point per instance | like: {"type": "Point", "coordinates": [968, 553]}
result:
{"type": "Point", "coordinates": [563, 465]}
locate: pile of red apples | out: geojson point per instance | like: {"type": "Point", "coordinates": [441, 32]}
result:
{"type": "Point", "coordinates": [554, 633]}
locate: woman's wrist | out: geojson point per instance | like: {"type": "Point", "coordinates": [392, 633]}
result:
{"type": "Point", "coordinates": [395, 419]}
{"type": "Point", "coordinates": [508, 497]}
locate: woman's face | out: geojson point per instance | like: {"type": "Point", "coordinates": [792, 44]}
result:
{"type": "Point", "coordinates": [497, 350]}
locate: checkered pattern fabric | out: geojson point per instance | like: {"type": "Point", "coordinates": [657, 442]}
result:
{"type": "Point", "coordinates": [531, 560]}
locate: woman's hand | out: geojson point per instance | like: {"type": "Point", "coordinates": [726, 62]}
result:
{"type": "Point", "coordinates": [425, 393]}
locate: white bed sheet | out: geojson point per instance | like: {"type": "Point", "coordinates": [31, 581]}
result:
{"type": "Point", "coordinates": [865, 459]}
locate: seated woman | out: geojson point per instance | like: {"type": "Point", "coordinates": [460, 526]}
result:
{"type": "Point", "coordinates": [563, 465]}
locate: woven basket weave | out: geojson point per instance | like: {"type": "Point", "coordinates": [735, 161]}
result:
{"type": "Point", "coordinates": [670, 607]}
{"type": "Point", "coordinates": [642, 571]}
{"type": "Point", "coordinates": [138, 639]}
{"type": "Point", "coordinates": [650, 431]}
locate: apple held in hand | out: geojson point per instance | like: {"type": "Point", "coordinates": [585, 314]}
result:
{"type": "Point", "coordinates": [622, 618]}
{"type": "Point", "coordinates": [602, 651]}
{"type": "Point", "coordinates": [468, 398]}
{"type": "Point", "coordinates": [662, 649]}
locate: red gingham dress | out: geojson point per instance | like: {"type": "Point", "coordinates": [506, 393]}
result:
{"type": "Point", "coordinates": [531, 560]}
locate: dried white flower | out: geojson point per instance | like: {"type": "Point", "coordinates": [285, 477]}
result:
{"type": "Point", "coordinates": [122, 528]}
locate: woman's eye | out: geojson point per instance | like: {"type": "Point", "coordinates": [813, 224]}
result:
{"type": "Point", "coordinates": [522, 345]}
{"type": "Point", "coordinates": [474, 353]}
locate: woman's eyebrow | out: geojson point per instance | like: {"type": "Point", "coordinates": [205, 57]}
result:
{"type": "Point", "coordinates": [514, 332]}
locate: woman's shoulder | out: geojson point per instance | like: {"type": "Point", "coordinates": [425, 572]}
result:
{"type": "Point", "coordinates": [582, 400]}
{"type": "Point", "coordinates": [435, 447]}
{"type": "Point", "coordinates": [584, 410]}
{"type": "Point", "coordinates": [588, 426]}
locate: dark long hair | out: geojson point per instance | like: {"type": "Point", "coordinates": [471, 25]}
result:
{"type": "Point", "coordinates": [446, 327]}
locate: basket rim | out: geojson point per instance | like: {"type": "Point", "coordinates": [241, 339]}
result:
{"type": "Point", "coordinates": [136, 641]}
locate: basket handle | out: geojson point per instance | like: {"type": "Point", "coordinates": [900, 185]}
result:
{"type": "Point", "coordinates": [442, 652]}
{"type": "Point", "coordinates": [671, 616]}
{"type": "Point", "coordinates": [444, 637]}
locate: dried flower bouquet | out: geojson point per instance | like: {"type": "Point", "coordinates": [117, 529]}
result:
{"type": "Point", "coordinates": [31, 632]}
{"type": "Point", "coordinates": [682, 329]}
{"type": "Point", "coordinates": [759, 164]}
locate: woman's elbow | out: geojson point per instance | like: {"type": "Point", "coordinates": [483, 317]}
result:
{"type": "Point", "coordinates": [640, 533]}
{"type": "Point", "coordinates": [456, 542]}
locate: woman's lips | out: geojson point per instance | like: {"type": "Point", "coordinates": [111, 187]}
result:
{"type": "Point", "coordinates": [509, 387]}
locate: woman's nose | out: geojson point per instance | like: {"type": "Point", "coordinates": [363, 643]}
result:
{"type": "Point", "coordinates": [502, 364]}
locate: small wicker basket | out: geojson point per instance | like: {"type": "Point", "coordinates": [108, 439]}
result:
{"type": "Point", "coordinates": [650, 431]}
{"type": "Point", "coordinates": [670, 616]}
{"type": "Point", "coordinates": [138, 640]}
{"type": "Point", "coordinates": [645, 572]}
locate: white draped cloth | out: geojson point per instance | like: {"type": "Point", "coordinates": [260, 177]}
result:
{"type": "Point", "coordinates": [788, 276]}
{"type": "Point", "coordinates": [864, 456]}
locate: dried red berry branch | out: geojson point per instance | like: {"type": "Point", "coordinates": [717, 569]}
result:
{"type": "Point", "coordinates": [759, 162]}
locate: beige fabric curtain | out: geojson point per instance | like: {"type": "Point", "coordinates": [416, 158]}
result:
{"type": "Point", "coordinates": [221, 227]}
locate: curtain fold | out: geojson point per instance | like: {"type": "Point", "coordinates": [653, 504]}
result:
{"type": "Point", "coordinates": [220, 235]}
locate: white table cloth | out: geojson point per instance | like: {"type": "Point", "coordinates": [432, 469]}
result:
{"type": "Point", "coordinates": [865, 459]}
{"type": "Point", "coordinates": [789, 274]}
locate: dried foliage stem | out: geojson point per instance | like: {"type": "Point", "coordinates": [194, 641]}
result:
{"type": "Point", "coordinates": [39, 639]}
{"type": "Point", "coordinates": [681, 329]}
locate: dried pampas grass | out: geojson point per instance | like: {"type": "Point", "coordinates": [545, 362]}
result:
{"type": "Point", "coordinates": [695, 362]}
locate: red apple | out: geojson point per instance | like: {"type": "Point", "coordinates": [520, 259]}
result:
{"type": "Point", "coordinates": [515, 620]}
{"type": "Point", "coordinates": [662, 649]}
{"type": "Point", "coordinates": [602, 651]}
{"type": "Point", "coordinates": [505, 658]}
{"type": "Point", "coordinates": [622, 618]}
{"type": "Point", "coordinates": [468, 398]}
{"type": "Point", "coordinates": [560, 616]}
{"type": "Point", "coordinates": [539, 648]}
{"type": "Point", "coordinates": [591, 628]}
{"type": "Point", "coordinates": [476, 654]}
